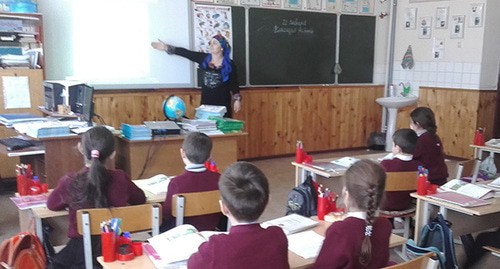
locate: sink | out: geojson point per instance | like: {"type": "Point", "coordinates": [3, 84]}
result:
{"type": "Point", "coordinates": [396, 102]}
{"type": "Point", "coordinates": [393, 104]}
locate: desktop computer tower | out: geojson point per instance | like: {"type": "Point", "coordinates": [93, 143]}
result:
{"type": "Point", "coordinates": [62, 92]}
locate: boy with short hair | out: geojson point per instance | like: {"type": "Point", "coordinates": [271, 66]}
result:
{"type": "Point", "coordinates": [244, 196]}
{"type": "Point", "coordinates": [404, 141]}
{"type": "Point", "coordinates": [195, 151]}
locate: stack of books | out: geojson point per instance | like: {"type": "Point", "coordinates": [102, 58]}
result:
{"type": "Point", "coordinates": [228, 125]}
{"type": "Point", "coordinates": [47, 129]}
{"type": "Point", "coordinates": [204, 126]}
{"type": "Point", "coordinates": [12, 118]}
{"type": "Point", "coordinates": [205, 111]}
{"type": "Point", "coordinates": [136, 132]}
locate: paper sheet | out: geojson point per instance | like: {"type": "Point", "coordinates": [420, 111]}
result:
{"type": "Point", "coordinates": [305, 244]}
{"type": "Point", "coordinates": [16, 92]}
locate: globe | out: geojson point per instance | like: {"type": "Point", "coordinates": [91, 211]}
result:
{"type": "Point", "coordinates": [174, 108]}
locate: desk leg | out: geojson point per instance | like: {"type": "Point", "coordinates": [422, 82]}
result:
{"type": "Point", "coordinates": [297, 176]}
{"type": "Point", "coordinates": [39, 229]}
{"type": "Point", "coordinates": [421, 217]}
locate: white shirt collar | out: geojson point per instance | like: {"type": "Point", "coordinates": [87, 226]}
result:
{"type": "Point", "coordinates": [421, 132]}
{"type": "Point", "coordinates": [404, 157]}
{"type": "Point", "coordinates": [195, 168]}
{"type": "Point", "coordinates": [357, 214]}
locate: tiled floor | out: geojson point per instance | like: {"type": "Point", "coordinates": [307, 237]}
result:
{"type": "Point", "coordinates": [281, 177]}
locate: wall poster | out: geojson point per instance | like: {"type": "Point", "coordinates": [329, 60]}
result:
{"type": "Point", "coordinates": [457, 26]}
{"type": "Point", "coordinates": [476, 15]}
{"type": "Point", "coordinates": [209, 20]}
{"type": "Point", "coordinates": [410, 18]}
{"type": "Point", "coordinates": [441, 18]}
{"type": "Point", "coordinates": [424, 27]}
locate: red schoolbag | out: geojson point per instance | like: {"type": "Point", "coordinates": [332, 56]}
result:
{"type": "Point", "coordinates": [23, 250]}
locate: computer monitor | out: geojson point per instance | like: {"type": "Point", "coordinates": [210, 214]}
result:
{"type": "Point", "coordinates": [84, 105]}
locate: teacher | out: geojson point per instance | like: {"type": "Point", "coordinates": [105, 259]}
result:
{"type": "Point", "coordinates": [219, 77]}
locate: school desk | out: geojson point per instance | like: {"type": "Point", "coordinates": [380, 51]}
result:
{"type": "Point", "coordinates": [478, 150]}
{"type": "Point", "coordinates": [39, 213]}
{"type": "Point", "coordinates": [161, 155]}
{"type": "Point", "coordinates": [295, 261]}
{"type": "Point", "coordinates": [302, 169]}
{"type": "Point", "coordinates": [466, 220]}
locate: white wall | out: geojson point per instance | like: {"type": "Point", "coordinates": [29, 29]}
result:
{"type": "Point", "coordinates": [468, 63]}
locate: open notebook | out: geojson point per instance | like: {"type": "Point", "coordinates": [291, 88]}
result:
{"type": "Point", "coordinates": [459, 199]}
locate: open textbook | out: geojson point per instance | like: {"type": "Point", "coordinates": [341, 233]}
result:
{"type": "Point", "coordinates": [155, 184]}
{"type": "Point", "coordinates": [176, 245]}
{"type": "Point", "coordinates": [292, 223]}
{"type": "Point", "coordinates": [471, 190]}
{"type": "Point", "coordinates": [345, 161]}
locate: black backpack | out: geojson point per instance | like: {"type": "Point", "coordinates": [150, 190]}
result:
{"type": "Point", "coordinates": [303, 199]}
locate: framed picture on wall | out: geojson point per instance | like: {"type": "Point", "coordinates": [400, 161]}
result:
{"type": "Point", "coordinates": [441, 18]}
{"type": "Point", "coordinates": [331, 5]}
{"type": "Point", "coordinates": [457, 26]}
{"type": "Point", "coordinates": [410, 18]}
{"type": "Point", "coordinates": [250, 2]}
{"type": "Point", "coordinates": [271, 3]}
{"type": "Point", "coordinates": [476, 15]}
{"type": "Point", "coordinates": [424, 27]}
{"type": "Point", "coordinates": [314, 4]}
{"type": "Point", "coordinates": [292, 3]}
{"type": "Point", "coordinates": [350, 6]}
{"type": "Point", "coordinates": [366, 6]}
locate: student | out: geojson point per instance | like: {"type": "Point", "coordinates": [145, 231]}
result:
{"type": "Point", "coordinates": [195, 151]}
{"type": "Point", "coordinates": [429, 149]}
{"type": "Point", "coordinates": [361, 240]}
{"type": "Point", "coordinates": [404, 141]}
{"type": "Point", "coordinates": [93, 186]}
{"type": "Point", "coordinates": [244, 196]}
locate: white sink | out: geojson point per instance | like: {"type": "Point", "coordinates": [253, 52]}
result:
{"type": "Point", "coordinates": [393, 104]}
{"type": "Point", "coordinates": [396, 102]}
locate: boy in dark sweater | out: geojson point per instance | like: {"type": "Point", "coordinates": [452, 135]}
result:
{"type": "Point", "coordinates": [195, 151]}
{"type": "Point", "coordinates": [401, 161]}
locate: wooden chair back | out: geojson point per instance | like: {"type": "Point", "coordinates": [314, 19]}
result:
{"type": "Point", "coordinates": [401, 181]}
{"type": "Point", "coordinates": [134, 219]}
{"type": "Point", "coordinates": [195, 204]}
{"type": "Point", "coordinates": [421, 262]}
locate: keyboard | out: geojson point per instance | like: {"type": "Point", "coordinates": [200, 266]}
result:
{"type": "Point", "coordinates": [14, 143]}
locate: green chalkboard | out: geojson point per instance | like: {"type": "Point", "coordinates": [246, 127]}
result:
{"type": "Point", "coordinates": [356, 53]}
{"type": "Point", "coordinates": [289, 47]}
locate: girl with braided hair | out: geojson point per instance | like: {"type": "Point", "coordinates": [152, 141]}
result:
{"type": "Point", "coordinates": [361, 240]}
{"type": "Point", "coordinates": [94, 186]}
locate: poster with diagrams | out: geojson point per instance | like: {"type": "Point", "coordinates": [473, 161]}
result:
{"type": "Point", "coordinates": [350, 6]}
{"type": "Point", "coordinates": [331, 5]}
{"type": "Point", "coordinates": [250, 2]}
{"type": "Point", "coordinates": [292, 4]}
{"type": "Point", "coordinates": [209, 20]}
{"type": "Point", "coordinates": [366, 6]}
{"type": "Point", "coordinates": [271, 3]}
{"type": "Point", "coordinates": [314, 4]}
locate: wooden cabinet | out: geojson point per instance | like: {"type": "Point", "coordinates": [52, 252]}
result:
{"type": "Point", "coordinates": [26, 30]}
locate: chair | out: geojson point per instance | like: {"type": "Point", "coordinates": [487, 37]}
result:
{"type": "Point", "coordinates": [401, 181]}
{"type": "Point", "coordinates": [194, 204]}
{"type": "Point", "coordinates": [493, 250]}
{"type": "Point", "coordinates": [421, 262]}
{"type": "Point", "coordinates": [135, 218]}
{"type": "Point", "coordinates": [467, 168]}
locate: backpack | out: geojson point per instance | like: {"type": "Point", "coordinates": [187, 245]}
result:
{"type": "Point", "coordinates": [435, 237]}
{"type": "Point", "coordinates": [21, 251]}
{"type": "Point", "coordinates": [302, 199]}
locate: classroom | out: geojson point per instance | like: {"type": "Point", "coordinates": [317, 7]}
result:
{"type": "Point", "coordinates": [308, 70]}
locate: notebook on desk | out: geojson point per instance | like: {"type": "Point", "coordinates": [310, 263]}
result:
{"type": "Point", "coordinates": [459, 199]}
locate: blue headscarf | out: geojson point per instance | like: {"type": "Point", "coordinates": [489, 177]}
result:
{"type": "Point", "coordinates": [226, 61]}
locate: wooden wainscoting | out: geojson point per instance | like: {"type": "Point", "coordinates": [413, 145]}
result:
{"type": "Point", "coordinates": [324, 118]}
{"type": "Point", "coordinates": [458, 113]}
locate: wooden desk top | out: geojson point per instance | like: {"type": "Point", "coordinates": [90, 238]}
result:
{"type": "Point", "coordinates": [486, 148]}
{"type": "Point", "coordinates": [295, 261]}
{"type": "Point", "coordinates": [494, 207]}
{"type": "Point", "coordinates": [308, 167]}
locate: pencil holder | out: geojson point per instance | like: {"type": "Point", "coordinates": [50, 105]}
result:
{"type": "Point", "coordinates": [108, 246]}
{"type": "Point", "coordinates": [323, 207]}
{"type": "Point", "coordinates": [23, 185]}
